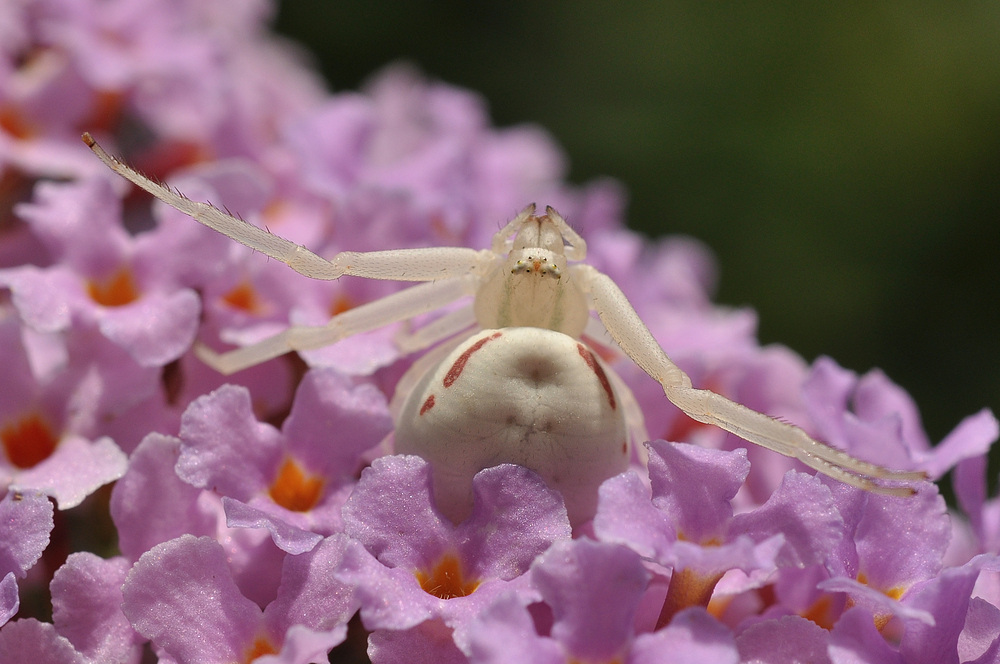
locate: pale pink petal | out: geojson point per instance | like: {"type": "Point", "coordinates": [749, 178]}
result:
{"type": "Point", "coordinates": [75, 470]}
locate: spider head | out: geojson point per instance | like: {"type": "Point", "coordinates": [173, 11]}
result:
{"type": "Point", "coordinates": [531, 286]}
{"type": "Point", "coordinates": [538, 249]}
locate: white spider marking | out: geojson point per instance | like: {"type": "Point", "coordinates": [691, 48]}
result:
{"type": "Point", "coordinates": [534, 393]}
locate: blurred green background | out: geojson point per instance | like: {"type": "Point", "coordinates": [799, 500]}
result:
{"type": "Point", "coordinates": [841, 159]}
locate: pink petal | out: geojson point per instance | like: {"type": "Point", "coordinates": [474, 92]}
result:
{"type": "Point", "coordinates": [36, 642]}
{"type": "Point", "coordinates": [150, 504]}
{"type": "Point", "coordinates": [75, 470]}
{"type": "Point", "coordinates": [86, 607]}
{"type": "Point", "coordinates": [181, 595]}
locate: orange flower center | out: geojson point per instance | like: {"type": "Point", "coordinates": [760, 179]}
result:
{"type": "Point", "coordinates": [28, 442]}
{"type": "Point", "coordinates": [105, 111]}
{"type": "Point", "coordinates": [13, 122]}
{"type": "Point", "coordinates": [244, 297]}
{"type": "Point", "coordinates": [446, 579]}
{"type": "Point", "coordinates": [116, 291]}
{"type": "Point", "coordinates": [341, 304]}
{"type": "Point", "coordinates": [261, 646]}
{"type": "Point", "coordinates": [894, 593]}
{"type": "Point", "coordinates": [822, 612]}
{"type": "Point", "coordinates": [881, 619]}
{"type": "Point", "coordinates": [294, 489]}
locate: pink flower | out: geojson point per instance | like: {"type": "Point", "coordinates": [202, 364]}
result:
{"type": "Point", "coordinates": [406, 550]}
{"type": "Point", "coordinates": [182, 597]}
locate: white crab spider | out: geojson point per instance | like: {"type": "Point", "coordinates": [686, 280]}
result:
{"type": "Point", "coordinates": [537, 395]}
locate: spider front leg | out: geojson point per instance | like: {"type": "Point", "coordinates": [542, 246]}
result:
{"type": "Point", "coordinates": [426, 264]}
{"type": "Point", "coordinates": [635, 339]}
{"type": "Point", "coordinates": [390, 309]}
{"type": "Point", "coordinates": [453, 271]}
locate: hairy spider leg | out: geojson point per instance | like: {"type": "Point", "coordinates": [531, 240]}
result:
{"type": "Point", "coordinates": [424, 264]}
{"type": "Point", "coordinates": [632, 335]}
{"type": "Point", "coordinates": [372, 315]}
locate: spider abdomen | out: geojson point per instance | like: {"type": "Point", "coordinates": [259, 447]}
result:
{"type": "Point", "coordinates": [523, 395]}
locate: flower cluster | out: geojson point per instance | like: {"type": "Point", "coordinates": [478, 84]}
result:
{"type": "Point", "coordinates": [258, 517]}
